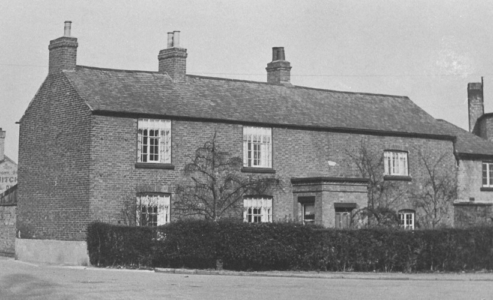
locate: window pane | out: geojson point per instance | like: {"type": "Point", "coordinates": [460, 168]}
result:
{"type": "Point", "coordinates": [257, 210]}
{"type": "Point", "coordinates": [154, 140]}
{"type": "Point", "coordinates": [485, 174]}
{"type": "Point", "coordinates": [395, 163]}
{"type": "Point", "coordinates": [257, 146]}
{"type": "Point", "coordinates": [490, 174]}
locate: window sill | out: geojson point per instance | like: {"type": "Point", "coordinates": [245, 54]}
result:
{"type": "Point", "coordinates": [257, 170]}
{"type": "Point", "coordinates": [397, 178]}
{"type": "Point", "coordinates": [154, 166]}
{"type": "Point", "coordinates": [486, 189]}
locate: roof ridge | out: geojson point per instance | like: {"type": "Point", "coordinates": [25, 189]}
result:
{"type": "Point", "coordinates": [118, 70]}
{"type": "Point", "coordinates": [296, 86]}
{"type": "Point", "coordinates": [248, 81]}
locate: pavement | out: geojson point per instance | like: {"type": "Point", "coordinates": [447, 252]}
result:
{"type": "Point", "coordinates": [483, 276]}
{"type": "Point", "coordinates": [23, 280]}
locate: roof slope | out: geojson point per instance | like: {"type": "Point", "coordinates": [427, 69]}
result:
{"type": "Point", "coordinates": [7, 159]}
{"type": "Point", "coordinates": [247, 101]}
{"type": "Point", "coordinates": [467, 143]}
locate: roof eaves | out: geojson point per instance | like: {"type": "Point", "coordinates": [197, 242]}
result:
{"type": "Point", "coordinates": [474, 156]}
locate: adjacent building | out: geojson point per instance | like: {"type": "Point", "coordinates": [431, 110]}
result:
{"type": "Point", "coordinates": [8, 199]}
{"type": "Point", "coordinates": [474, 151]}
{"type": "Point", "coordinates": [93, 138]}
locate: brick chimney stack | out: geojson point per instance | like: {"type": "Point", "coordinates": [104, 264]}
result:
{"type": "Point", "coordinates": [173, 60]}
{"type": "Point", "coordinates": [2, 144]}
{"type": "Point", "coordinates": [63, 51]}
{"type": "Point", "coordinates": [475, 104]}
{"type": "Point", "coordinates": [279, 70]}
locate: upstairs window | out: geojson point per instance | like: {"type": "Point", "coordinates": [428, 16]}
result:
{"type": "Point", "coordinates": [395, 163]}
{"type": "Point", "coordinates": [257, 147]}
{"type": "Point", "coordinates": [406, 219]}
{"type": "Point", "coordinates": [154, 141]}
{"type": "Point", "coordinates": [257, 210]}
{"type": "Point", "coordinates": [488, 174]}
{"type": "Point", "coordinates": [153, 210]}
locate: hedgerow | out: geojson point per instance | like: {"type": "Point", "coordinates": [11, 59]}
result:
{"type": "Point", "coordinates": [289, 246]}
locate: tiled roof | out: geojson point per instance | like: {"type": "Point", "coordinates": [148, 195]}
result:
{"type": "Point", "coordinates": [247, 101]}
{"type": "Point", "coordinates": [467, 143]}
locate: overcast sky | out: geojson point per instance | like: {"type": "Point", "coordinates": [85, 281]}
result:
{"type": "Point", "coordinates": [426, 50]}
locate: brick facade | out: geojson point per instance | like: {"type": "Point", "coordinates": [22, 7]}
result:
{"type": "Point", "coordinates": [88, 170]}
{"type": "Point", "coordinates": [115, 178]}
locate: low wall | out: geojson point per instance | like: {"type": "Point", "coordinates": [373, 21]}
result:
{"type": "Point", "coordinates": [72, 253]}
{"type": "Point", "coordinates": [7, 230]}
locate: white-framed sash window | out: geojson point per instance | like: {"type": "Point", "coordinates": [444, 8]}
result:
{"type": "Point", "coordinates": [407, 219]}
{"type": "Point", "coordinates": [395, 163]}
{"type": "Point", "coordinates": [154, 141]}
{"type": "Point", "coordinates": [257, 147]}
{"type": "Point", "coordinates": [488, 174]}
{"type": "Point", "coordinates": [153, 210]}
{"type": "Point", "coordinates": [257, 210]}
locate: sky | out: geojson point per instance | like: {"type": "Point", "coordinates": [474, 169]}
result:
{"type": "Point", "coordinates": [426, 50]}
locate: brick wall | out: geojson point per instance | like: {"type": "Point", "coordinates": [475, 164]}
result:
{"type": "Point", "coordinates": [296, 153]}
{"type": "Point", "coordinates": [53, 174]}
{"type": "Point", "coordinates": [114, 177]}
{"type": "Point", "coordinates": [7, 229]}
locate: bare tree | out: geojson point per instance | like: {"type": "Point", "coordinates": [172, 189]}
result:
{"type": "Point", "coordinates": [382, 195]}
{"type": "Point", "coordinates": [214, 185]}
{"type": "Point", "coordinates": [435, 197]}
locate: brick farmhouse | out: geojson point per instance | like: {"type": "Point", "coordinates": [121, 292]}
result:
{"type": "Point", "coordinates": [92, 138]}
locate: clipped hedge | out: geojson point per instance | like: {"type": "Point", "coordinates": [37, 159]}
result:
{"type": "Point", "coordinates": [111, 245]}
{"type": "Point", "coordinates": [290, 246]}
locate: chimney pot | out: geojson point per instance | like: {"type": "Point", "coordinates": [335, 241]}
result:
{"type": "Point", "coordinates": [281, 54]}
{"type": "Point", "coordinates": [176, 39]}
{"type": "Point", "coordinates": [170, 40]}
{"type": "Point", "coordinates": [67, 28]}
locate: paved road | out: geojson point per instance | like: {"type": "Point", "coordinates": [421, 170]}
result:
{"type": "Point", "coordinates": [28, 281]}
